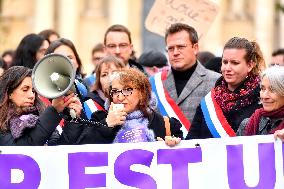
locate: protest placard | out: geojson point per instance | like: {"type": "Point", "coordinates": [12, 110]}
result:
{"type": "Point", "coordinates": [199, 14]}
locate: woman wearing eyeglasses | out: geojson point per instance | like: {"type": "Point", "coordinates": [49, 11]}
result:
{"type": "Point", "coordinates": [130, 116]}
{"type": "Point", "coordinates": [270, 118]}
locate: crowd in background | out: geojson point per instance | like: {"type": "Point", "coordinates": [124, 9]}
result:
{"type": "Point", "coordinates": [182, 93]}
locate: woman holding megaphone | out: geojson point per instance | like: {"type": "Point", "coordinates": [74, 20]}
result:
{"type": "Point", "coordinates": [24, 119]}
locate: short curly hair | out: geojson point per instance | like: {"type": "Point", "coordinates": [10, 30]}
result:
{"type": "Point", "coordinates": [132, 77]}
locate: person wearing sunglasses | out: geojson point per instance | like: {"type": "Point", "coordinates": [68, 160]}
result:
{"type": "Point", "coordinates": [131, 116]}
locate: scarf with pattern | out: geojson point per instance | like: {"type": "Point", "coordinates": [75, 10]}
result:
{"type": "Point", "coordinates": [136, 124]}
{"type": "Point", "coordinates": [244, 95]}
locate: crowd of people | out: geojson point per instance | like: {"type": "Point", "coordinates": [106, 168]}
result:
{"type": "Point", "coordinates": [180, 94]}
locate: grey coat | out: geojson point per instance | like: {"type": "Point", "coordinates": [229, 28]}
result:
{"type": "Point", "coordinates": [265, 125]}
{"type": "Point", "coordinates": [200, 83]}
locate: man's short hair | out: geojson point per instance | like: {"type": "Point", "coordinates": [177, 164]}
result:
{"type": "Point", "coordinates": [118, 28]}
{"type": "Point", "coordinates": [98, 48]}
{"type": "Point", "coordinates": [178, 27]}
{"type": "Point", "coordinates": [8, 52]}
{"type": "Point", "coordinates": [278, 52]}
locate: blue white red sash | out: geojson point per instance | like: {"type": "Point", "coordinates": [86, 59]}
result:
{"type": "Point", "coordinates": [214, 117]}
{"type": "Point", "coordinates": [90, 106]}
{"type": "Point", "coordinates": [166, 104]}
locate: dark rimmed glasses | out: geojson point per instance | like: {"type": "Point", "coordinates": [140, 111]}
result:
{"type": "Point", "coordinates": [125, 92]}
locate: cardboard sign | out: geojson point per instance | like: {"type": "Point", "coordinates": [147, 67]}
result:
{"type": "Point", "coordinates": [199, 14]}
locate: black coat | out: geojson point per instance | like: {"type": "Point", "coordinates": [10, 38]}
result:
{"type": "Point", "coordinates": [134, 64]}
{"type": "Point", "coordinates": [94, 95]}
{"type": "Point", "coordinates": [199, 129]}
{"type": "Point", "coordinates": [36, 136]}
{"type": "Point", "coordinates": [102, 134]}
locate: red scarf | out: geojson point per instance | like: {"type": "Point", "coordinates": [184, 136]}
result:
{"type": "Point", "coordinates": [253, 124]}
{"type": "Point", "coordinates": [246, 94]}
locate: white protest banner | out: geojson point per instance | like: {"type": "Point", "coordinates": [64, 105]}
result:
{"type": "Point", "coordinates": [199, 14]}
{"type": "Point", "coordinates": [235, 163]}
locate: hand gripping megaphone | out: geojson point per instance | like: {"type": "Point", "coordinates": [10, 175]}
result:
{"type": "Point", "coordinates": [54, 76]}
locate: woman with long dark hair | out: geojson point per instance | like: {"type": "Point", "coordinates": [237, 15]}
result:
{"type": "Point", "coordinates": [30, 50]}
{"type": "Point", "coordinates": [24, 119]}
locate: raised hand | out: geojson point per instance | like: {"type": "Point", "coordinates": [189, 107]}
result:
{"type": "Point", "coordinates": [115, 116]}
{"type": "Point", "coordinates": [279, 134]}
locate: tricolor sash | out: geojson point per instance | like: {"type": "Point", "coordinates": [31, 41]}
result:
{"type": "Point", "coordinates": [214, 117]}
{"type": "Point", "coordinates": [166, 104]}
{"type": "Point", "coordinates": [90, 106]}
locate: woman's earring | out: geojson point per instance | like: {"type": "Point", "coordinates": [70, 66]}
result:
{"type": "Point", "coordinates": [141, 102]}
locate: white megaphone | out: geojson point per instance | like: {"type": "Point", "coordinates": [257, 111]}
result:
{"type": "Point", "coordinates": [54, 76]}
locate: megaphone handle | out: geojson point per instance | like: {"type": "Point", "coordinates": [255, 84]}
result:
{"type": "Point", "coordinates": [72, 113]}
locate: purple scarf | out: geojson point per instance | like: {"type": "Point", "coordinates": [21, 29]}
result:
{"type": "Point", "coordinates": [18, 123]}
{"type": "Point", "coordinates": [135, 129]}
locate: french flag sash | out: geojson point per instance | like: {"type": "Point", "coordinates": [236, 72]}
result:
{"type": "Point", "coordinates": [166, 104]}
{"type": "Point", "coordinates": [214, 117]}
{"type": "Point", "coordinates": [90, 106]}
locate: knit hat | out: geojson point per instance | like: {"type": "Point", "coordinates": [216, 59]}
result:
{"type": "Point", "coordinates": [214, 64]}
{"type": "Point", "coordinates": [153, 58]}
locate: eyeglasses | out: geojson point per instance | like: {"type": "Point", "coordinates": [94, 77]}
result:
{"type": "Point", "coordinates": [125, 92]}
{"type": "Point", "coordinates": [179, 48]}
{"type": "Point", "coordinates": [121, 46]}
{"type": "Point", "coordinates": [97, 58]}
{"type": "Point", "coordinates": [274, 64]}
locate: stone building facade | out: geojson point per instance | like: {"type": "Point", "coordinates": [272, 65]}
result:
{"type": "Point", "coordinates": [85, 21]}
